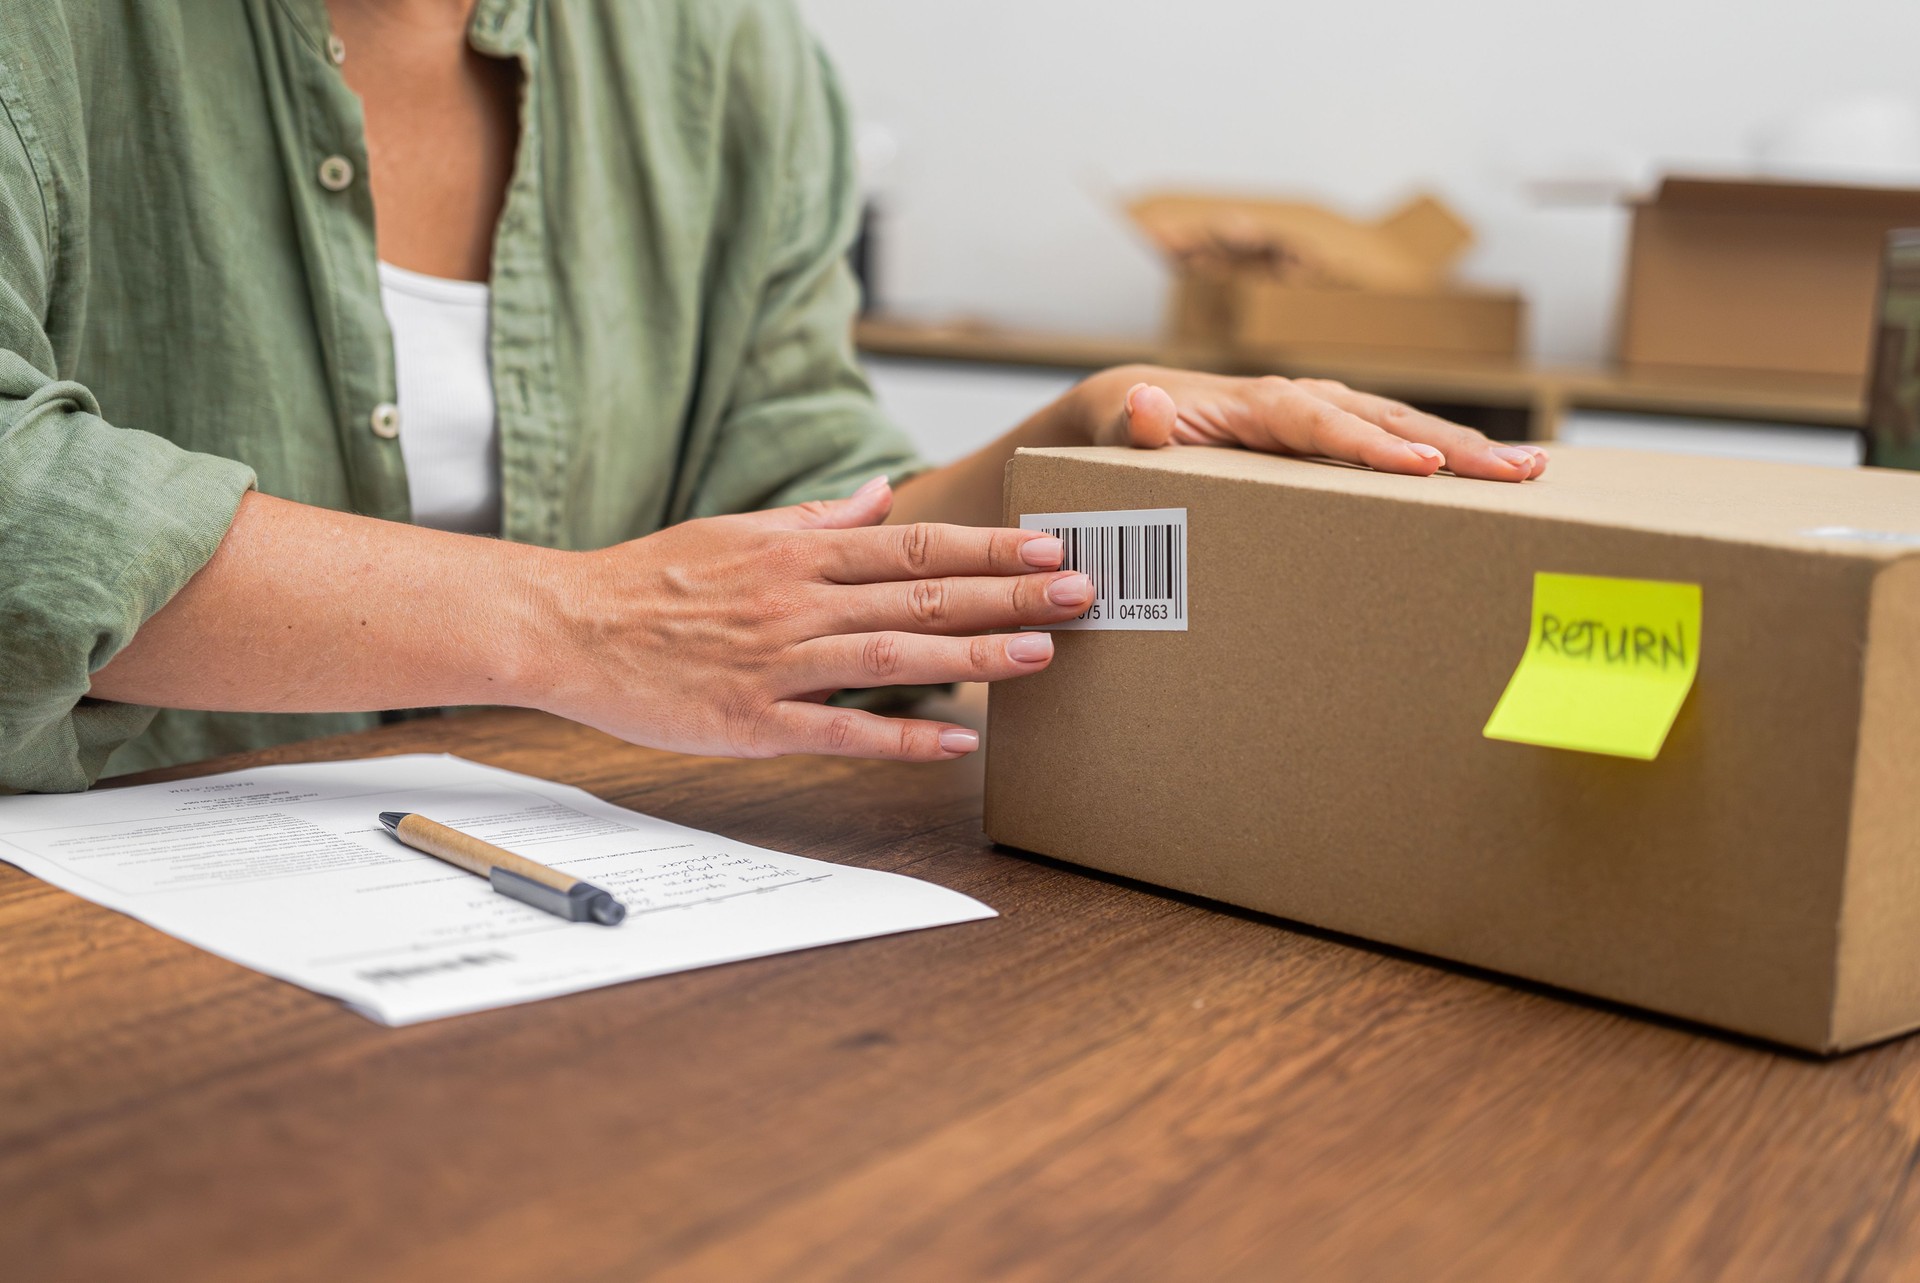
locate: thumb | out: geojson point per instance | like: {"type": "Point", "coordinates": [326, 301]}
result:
{"type": "Point", "coordinates": [1146, 419]}
{"type": "Point", "coordinates": [867, 506]}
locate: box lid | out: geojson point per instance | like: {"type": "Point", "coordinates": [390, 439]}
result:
{"type": "Point", "coordinates": [1862, 513]}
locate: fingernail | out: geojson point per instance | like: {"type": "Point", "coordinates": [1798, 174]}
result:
{"type": "Point", "coordinates": [1029, 648]}
{"type": "Point", "coordinates": [1518, 458]}
{"type": "Point", "coordinates": [1127, 401]}
{"type": "Point", "coordinates": [957, 741]}
{"type": "Point", "coordinates": [1426, 452]}
{"type": "Point", "coordinates": [872, 487]}
{"type": "Point", "coordinates": [1045, 553]}
{"type": "Point", "coordinates": [1070, 590]}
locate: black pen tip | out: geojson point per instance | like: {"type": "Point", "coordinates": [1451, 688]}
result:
{"type": "Point", "coordinates": [607, 911]}
{"type": "Point", "coordinates": [392, 819]}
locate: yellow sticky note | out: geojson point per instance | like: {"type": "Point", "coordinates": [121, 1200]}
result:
{"type": "Point", "coordinates": [1608, 664]}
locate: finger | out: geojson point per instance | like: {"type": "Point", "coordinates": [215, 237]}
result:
{"type": "Point", "coordinates": [911, 659]}
{"type": "Point", "coordinates": [1468, 453]}
{"type": "Point", "coordinates": [924, 549]}
{"type": "Point", "coordinates": [956, 606]}
{"type": "Point", "coordinates": [867, 506]}
{"type": "Point", "coordinates": [800, 727]}
{"type": "Point", "coordinates": [1147, 417]}
{"type": "Point", "coordinates": [1296, 420]}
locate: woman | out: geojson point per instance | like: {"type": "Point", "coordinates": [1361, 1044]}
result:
{"type": "Point", "coordinates": [248, 436]}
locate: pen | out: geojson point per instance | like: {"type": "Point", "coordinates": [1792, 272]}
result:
{"type": "Point", "coordinates": [514, 875]}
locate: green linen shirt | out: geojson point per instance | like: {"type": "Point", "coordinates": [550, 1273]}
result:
{"type": "Point", "coordinates": [189, 306]}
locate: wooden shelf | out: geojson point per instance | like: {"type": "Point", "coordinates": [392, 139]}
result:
{"type": "Point", "coordinates": [992, 345]}
{"type": "Point", "coordinates": [1828, 400]}
{"type": "Point", "coordinates": [1534, 397]}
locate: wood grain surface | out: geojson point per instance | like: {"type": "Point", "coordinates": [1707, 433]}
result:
{"type": "Point", "coordinates": [1105, 1083]}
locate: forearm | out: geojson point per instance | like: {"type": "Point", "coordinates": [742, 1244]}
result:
{"type": "Point", "coordinates": [303, 609]}
{"type": "Point", "coordinates": [968, 491]}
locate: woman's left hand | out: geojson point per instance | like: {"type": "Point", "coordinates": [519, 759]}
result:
{"type": "Point", "coordinates": [1150, 407]}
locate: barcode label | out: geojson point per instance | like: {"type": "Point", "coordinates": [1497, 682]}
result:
{"type": "Point", "coordinates": [1137, 561]}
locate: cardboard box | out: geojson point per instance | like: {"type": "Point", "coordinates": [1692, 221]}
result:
{"type": "Point", "coordinates": [1758, 275]}
{"type": "Point", "coordinates": [1312, 745]}
{"type": "Point", "coordinates": [1249, 312]}
{"type": "Point", "coordinates": [1254, 273]}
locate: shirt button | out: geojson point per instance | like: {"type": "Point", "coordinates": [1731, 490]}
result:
{"type": "Point", "coordinates": [385, 420]}
{"type": "Point", "coordinates": [336, 173]}
{"type": "Point", "coordinates": [336, 50]}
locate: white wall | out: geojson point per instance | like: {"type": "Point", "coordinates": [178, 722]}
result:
{"type": "Point", "coordinates": [1020, 121]}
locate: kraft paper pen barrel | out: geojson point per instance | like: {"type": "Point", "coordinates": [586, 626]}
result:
{"type": "Point", "coordinates": [525, 880]}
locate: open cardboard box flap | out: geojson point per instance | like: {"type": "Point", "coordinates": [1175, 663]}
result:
{"type": "Point", "coordinates": [1413, 248]}
{"type": "Point", "coordinates": [1762, 196]}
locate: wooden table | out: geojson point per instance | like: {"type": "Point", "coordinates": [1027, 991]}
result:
{"type": "Point", "coordinates": [1103, 1084]}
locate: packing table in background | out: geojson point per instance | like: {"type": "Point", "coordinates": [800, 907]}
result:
{"type": "Point", "coordinates": [1105, 1083]}
{"type": "Point", "coordinates": [1510, 400]}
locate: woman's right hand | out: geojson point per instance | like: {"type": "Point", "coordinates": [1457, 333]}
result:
{"type": "Point", "coordinates": [726, 635]}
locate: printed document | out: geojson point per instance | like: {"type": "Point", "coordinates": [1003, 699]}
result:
{"type": "Point", "coordinates": [286, 869]}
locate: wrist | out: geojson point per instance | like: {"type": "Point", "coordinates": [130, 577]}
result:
{"type": "Point", "coordinates": [534, 633]}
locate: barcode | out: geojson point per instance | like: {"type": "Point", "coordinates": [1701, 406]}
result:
{"type": "Point", "coordinates": [1137, 561]}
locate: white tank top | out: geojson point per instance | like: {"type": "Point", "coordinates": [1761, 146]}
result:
{"type": "Point", "coordinates": [448, 435]}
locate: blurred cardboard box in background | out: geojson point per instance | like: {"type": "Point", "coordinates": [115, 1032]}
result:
{"type": "Point", "coordinates": [1732, 275]}
{"type": "Point", "coordinates": [1256, 273]}
{"type": "Point", "coordinates": [1304, 731]}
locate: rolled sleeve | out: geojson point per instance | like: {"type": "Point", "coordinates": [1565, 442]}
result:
{"type": "Point", "coordinates": [102, 527]}
{"type": "Point", "coordinates": [99, 526]}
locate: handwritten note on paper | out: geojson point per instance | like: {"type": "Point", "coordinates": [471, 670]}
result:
{"type": "Point", "coordinates": [1608, 664]}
